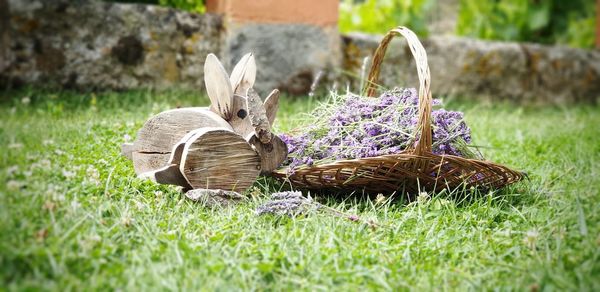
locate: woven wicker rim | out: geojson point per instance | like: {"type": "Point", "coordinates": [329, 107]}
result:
{"type": "Point", "coordinates": [393, 171]}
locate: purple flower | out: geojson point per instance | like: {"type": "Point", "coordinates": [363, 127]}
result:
{"type": "Point", "coordinates": [357, 127]}
{"type": "Point", "coordinates": [286, 203]}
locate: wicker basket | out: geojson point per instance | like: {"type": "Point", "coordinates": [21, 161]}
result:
{"type": "Point", "coordinates": [412, 170]}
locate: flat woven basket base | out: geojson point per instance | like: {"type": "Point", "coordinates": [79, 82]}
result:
{"type": "Point", "coordinates": [404, 172]}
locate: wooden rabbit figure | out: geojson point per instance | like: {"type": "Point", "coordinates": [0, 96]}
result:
{"type": "Point", "coordinates": [225, 146]}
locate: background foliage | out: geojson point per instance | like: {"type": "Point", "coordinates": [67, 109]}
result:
{"type": "Point", "coordinates": [188, 5]}
{"type": "Point", "coordinates": [545, 21]}
{"type": "Point", "coordinates": [378, 16]}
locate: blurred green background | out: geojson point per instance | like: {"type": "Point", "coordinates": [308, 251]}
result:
{"type": "Point", "coordinates": [562, 22]}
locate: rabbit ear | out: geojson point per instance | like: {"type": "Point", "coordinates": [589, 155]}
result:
{"type": "Point", "coordinates": [243, 74]}
{"type": "Point", "coordinates": [272, 105]}
{"type": "Point", "coordinates": [218, 87]}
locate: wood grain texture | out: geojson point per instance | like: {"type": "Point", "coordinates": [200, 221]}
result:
{"type": "Point", "coordinates": [145, 162]}
{"type": "Point", "coordinates": [271, 105]}
{"type": "Point", "coordinates": [258, 116]}
{"type": "Point", "coordinates": [240, 122]}
{"type": "Point", "coordinates": [218, 86]}
{"type": "Point", "coordinates": [271, 154]}
{"type": "Point", "coordinates": [243, 75]}
{"type": "Point", "coordinates": [217, 158]}
{"type": "Point", "coordinates": [161, 132]}
{"type": "Point", "coordinates": [172, 175]}
{"type": "Point", "coordinates": [127, 150]}
{"type": "Point", "coordinates": [177, 151]}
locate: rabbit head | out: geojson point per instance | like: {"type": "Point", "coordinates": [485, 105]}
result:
{"type": "Point", "coordinates": [234, 99]}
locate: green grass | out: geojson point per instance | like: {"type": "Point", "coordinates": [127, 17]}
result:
{"type": "Point", "coordinates": [73, 216]}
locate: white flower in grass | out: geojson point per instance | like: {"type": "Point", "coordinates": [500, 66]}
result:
{"type": "Point", "coordinates": [89, 242]}
{"type": "Point", "coordinates": [68, 174]}
{"type": "Point", "coordinates": [75, 205]}
{"type": "Point", "coordinates": [504, 232]}
{"type": "Point", "coordinates": [26, 100]}
{"type": "Point", "coordinates": [139, 205]}
{"type": "Point", "coordinates": [53, 191]}
{"type": "Point", "coordinates": [47, 142]}
{"type": "Point", "coordinates": [531, 238]}
{"type": "Point", "coordinates": [126, 220]}
{"type": "Point", "coordinates": [95, 238]}
{"type": "Point", "coordinates": [42, 164]}
{"type": "Point", "coordinates": [423, 197]}
{"type": "Point", "coordinates": [45, 163]}
{"type": "Point", "coordinates": [59, 197]}
{"type": "Point", "coordinates": [93, 176]}
{"type": "Point", "coordinates": [380, 199]}
{"type": "Point", "coordinates": [10, 171]}
{"type": "Point", "coordinates": [49, 205]}
{"type": "Point", "coordinates": [32, 157]}
{"type": "Point", "coordinates": [15, 145]}
{"type": "Point", "coordinates": [13, 185]}
{"type": "Point", "coordinates": [126, 138]}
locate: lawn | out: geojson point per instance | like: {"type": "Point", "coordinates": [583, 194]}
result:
{"type": "Point", "coordinates": [74, 216]}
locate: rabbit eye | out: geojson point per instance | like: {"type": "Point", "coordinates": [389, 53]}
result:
{"type": "Point", "coordinates": [242, 113]}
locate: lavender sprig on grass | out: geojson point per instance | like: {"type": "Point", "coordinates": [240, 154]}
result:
{"type": "Point", "coordinates": [294, 203]}
{"type": "Point", "coordinates": [287, 203]}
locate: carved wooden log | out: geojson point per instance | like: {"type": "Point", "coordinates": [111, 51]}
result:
{"type": "Point", "coordinates": [144, 162]}
{"type": "Point", "coordinates": [158, 136]}
{"type": "Point", "coordinates": [271, 154]}
{"type": "Point", "coordinates": [171, 174]}
{"type": "Point", "coordinates": [216, 147]}
{"type": "Point", "coordinates": [217, 158]}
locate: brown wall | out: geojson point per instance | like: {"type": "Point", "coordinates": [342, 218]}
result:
{"type": "Point", "coordinates": [598, 24]}
{"type": "Point", "coordinates": [315, 12]}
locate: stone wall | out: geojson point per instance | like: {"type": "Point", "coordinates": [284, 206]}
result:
{"type": "Point", "coordinates": [88, 44]}
{"type": "Point", "coordinates": [92, 44]}
{"type": "Point", "coordinates": [482, 69]}
{"type": "Point", "coordinates": [288, 57]}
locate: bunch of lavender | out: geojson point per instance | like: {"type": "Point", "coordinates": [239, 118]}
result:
{"type": "Point", "coordinates": [287, 203]}
{"type": "Point", "coordinates": [353, 126]}
{"type": "Point", "coordinates": [293, 203]}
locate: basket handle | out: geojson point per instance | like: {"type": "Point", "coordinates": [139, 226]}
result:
{"type": "Point", "coordinates": [418, 52]}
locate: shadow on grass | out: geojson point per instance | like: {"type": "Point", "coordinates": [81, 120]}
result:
{"type": "Point", "coordinates": [520, 193]}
